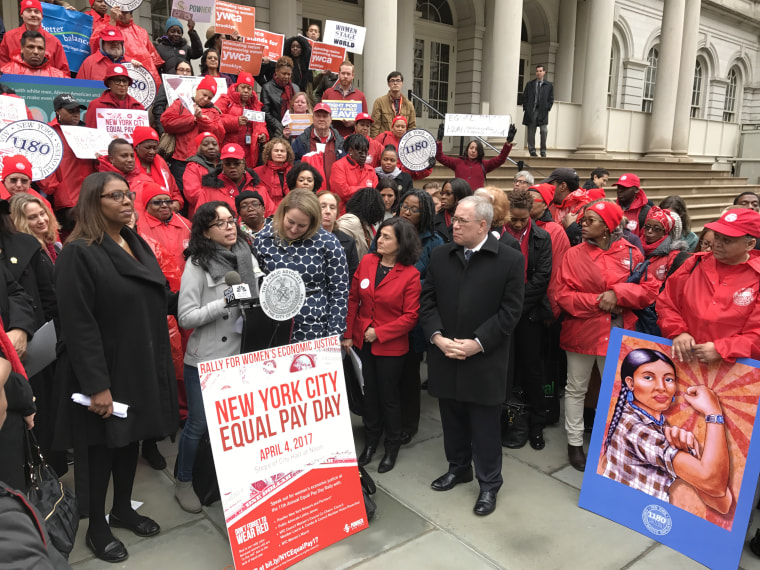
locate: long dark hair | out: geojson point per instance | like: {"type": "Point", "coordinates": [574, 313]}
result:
{"type": "Point", "coordinates": [409, 245]}
{"type": "Point", "coordinates": [204, 57]}
{"type": "Point", "coordinates": [479, 146]}
{"type": "Point", "coordinates": [634, 360]}
{"type": "Point", "coordinates": [459, 187]}
{"type": "Point", "coordinates": [201, 248]}
{"type": "Point", "coordinates": [367, 205]}
{"type": "Point", "coordinates": [427, 209]}
{"type": "Point", "coordinates": [677, 205]}
{"type": "Point", "coordinates": [91, 224]}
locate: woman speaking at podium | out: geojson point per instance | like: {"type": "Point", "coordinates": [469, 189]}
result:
{"type": "Point", "coordinates": [217, 246]}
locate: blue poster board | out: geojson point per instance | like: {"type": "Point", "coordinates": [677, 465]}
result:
{"type": "Point", "coordinates": [73, 29]}
{"type": "Point", "coordinates": [708, 526]}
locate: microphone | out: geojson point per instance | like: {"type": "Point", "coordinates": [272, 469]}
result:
{"type": "Point", "coordinates": [236, 292]}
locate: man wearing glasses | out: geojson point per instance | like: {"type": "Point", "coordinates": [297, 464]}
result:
{"type": "Point", "coordinates": [391, 105]}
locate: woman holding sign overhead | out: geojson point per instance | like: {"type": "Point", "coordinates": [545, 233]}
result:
{"type": "Point", "coordinates": [238, 127]}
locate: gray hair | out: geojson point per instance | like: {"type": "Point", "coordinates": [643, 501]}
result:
{"type": "Point", "coordinates": [526, 175]}
{"type": "Point", "coordinates": [482, 206]}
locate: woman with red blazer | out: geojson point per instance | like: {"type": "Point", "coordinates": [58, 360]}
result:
{"type": "Point", "coordinates": [383, 307]}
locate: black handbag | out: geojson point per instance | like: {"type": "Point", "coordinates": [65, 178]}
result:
{"type": "Point", "coordinates": [56, 503]}
{"type": "Point", "coordinates": [368, 488]}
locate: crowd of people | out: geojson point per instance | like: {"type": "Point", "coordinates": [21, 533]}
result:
{"type": "Point", "coordinates": [506, 290]}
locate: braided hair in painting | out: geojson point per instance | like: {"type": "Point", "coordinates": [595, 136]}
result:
{"type": "Point", "coordinates": [631, 363]}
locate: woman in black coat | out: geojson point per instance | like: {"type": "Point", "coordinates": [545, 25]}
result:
{"type": "Point", "coordinates": [452, 191]}
{"type": "Point", "coordinates": [173, 47]}
{"type": "Point", "coordinates": [299, 50]}
{"type": "Point", "coordinates": [113, 303]}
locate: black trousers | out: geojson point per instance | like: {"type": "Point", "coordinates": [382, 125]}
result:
{"type": "Point", "coordinates": [529, 355]}
{"type": "Point", "coordinates": [410, 392]}
{"type": "Point", "coordinates": [382, 397]}
{"type": "Point", "coordinates": [472, 434]}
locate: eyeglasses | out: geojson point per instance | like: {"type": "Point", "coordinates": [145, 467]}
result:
{"type": "Point", "coordinates": [589, 221]}
{"type": "Point", "coordinates": [521, 181]}
{"type": "Point", "coordinates": [251, 206]}
{"type": "Point", "coordinates": [223, 224]}
{"type": "Point", "coordinates": [460, 221]}
{"type": "Point", "coordinates": [118, 196]}
{"type": "Point", "coordinates": [396, 81]}
{"type": "Point", "coordinates": [410, 209]}
{"type": "Point", "coordinates": [653, 229]}
{"type": "Point", "coordinates": [120, 80]}
{"type": "Point", "coordinates": [160, 203]}
{"type": "Point", "coordinates": [705, 245]}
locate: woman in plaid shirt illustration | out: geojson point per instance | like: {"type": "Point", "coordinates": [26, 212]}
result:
{"type": "Point", "coordinates": [645, 453]}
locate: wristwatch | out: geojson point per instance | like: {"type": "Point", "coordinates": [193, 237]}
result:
{"type": "Point", "coordinates": [714, 419]}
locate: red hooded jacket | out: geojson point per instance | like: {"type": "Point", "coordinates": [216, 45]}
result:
{"type": "Point", "coordinates": [11, 45]}
{"type": "Point", "coordinates": [560, 246]}
{"type": "Point", "coordinates": [161, 175]}
{"type": "Point", "coordinates": [639, 202]}
{"type": "Point", "coordinates": [173, 235]}
{"type": "Point", "coordinates": [270, 180]}
{"type": "Point", "coordinates": [18, 66]}
{"type": "Point", "coordinates": [473, 171]}
{"type": "Point", "coordinates": [182, 123]}
{"type": "Point", "coordinates": [386, 138]}
{"type": "Point", "coordinates": [232, 109]}
{"type": "Point", "coordinates": [95, 67]}
{"type": "Point", "coordinates": [137, 45]}
{"type": "Point", "coordinates": [348, 177]}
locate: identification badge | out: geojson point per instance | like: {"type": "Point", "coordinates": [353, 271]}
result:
{"type": "Point", "coordinates": [247, 139]}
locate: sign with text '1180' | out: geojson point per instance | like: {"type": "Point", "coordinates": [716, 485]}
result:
{"type": "Point", "coordinates": [237, 57]}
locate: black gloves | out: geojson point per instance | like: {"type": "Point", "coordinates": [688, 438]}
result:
{"type": "Point", "coordinates": [431, 162]}
{"type": "Point", "coordinates": [512, 133]}
{"type": "Point", "coordinates": [440, 132]}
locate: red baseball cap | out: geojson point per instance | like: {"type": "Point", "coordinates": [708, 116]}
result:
{"type": "Point", "coordinates": [150, 190]}
{"type": "Point", "coordinates": [16, 164]}
{"type": "Point", "coordinates": [323, 107]}
{"type": "Point", "coordinates": [111, 34]}
{"type": "Point", "coordinates": [142, 134]}
{"type": "Point", "coordinates": [116, 70]}
{"type": "Point", "coordinates": [546, 191]}
{"type": "Point", "coordinates": [232, 150]}
{"type": "Point", "coordinates": [29, 4]}
{"type": "Point", "coordinates": [363, 117]}
{"type": "Point", "coordinates": [736, 222]}
{"type": "Point", "coordinates": [629, 180]}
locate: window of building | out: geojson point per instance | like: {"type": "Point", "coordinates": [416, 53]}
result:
{"type": "Point", "coordinates": [438, 85]}
{"type": "Point", "coordinates": [159, 12]}
{"type": "Point", "coordinates": [419, 71]}
{"type": "Point", "coordinates": [729, 104]}
{"type": "Point", "coordinates": [436, 11]}
{"type": "Point", "coordinates": [612, 81]}
{"type": "Point", "coordinates": [696, 91]}
{"type": "Point", "coordinates": [650, 78]}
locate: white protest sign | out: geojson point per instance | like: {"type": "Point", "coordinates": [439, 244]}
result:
{"type": "Point", "coordinates": [12, 109]}
{"type": "Point", "coordinates": [346, 35]}
{"type": "Point", "coordinates": [119, 123]}
{"type": "Point", "coordinates": [143, 86]}
{"type": "Point", "coordinates": [477, 125]}
{"type": "Point", "coordinates": [183, 87]}
{"type": "Point", "coordinates": [255, 116]}
{"type": "Point", "coordinates": [86, 143]}
{"type": "Point", "coordinates": [201, 11]}
{"type": "Point", "coordinates": [38, 142]}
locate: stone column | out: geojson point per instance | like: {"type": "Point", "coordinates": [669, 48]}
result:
{"type": "Point", "coordinates": [686, 79]}
{"type": "Point", "coordinates": [593, 126]}
{"type": "Point", "coordinates": [664, 107]}
{"type": "Point", "coordinates": [563, 73]}
{"type": "Point", "coordinates": [579, 61]}
{"type": "Point", "coordinates": [507, 18]}
{"type": "Point", "coordinates": [283, 17]}
{"type": "Point", "coordinates": [380, 47]}
{"type": "Point", "coordinates": [405, 42]}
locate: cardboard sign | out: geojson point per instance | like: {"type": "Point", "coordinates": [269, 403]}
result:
{"type": "Point", "coordinates": [326, 57]}
{"type": "Point", "coordinates": [73, 29]}
{"type": "Point", "coordinates": [280, 431]}
{"type": "Point", "coordinates": [311, 41]}
{"type": "Point", "coordinates": [344, 110]}
{"type": "Point", "coordinates": [183, 87]}
{"type": "Point", "coordinates": [633, 474]}
{"type": "Point", "coordinates": [12, 109]}
{"type": "Point", "coordinates": [347, 35]}
{"type": "Point", "coordinates": [477, 125]}
{"type": "Point", "coordinates": [119, 123]}
{"type": "Point", "coordinates": [201, 11]}
{"type": "Point", "coordinates": [86, 143]}
{"type": "Point", "coordinates": [271, 42]}
{"type": "Point", "coordinates": [234, 18]}
{"type": "Point", "coordinates": [237, 57]}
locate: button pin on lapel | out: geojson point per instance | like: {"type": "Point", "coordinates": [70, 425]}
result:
{"type": "Point", "coordinates": [14, 260]}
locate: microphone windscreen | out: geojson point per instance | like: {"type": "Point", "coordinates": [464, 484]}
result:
{"type": "Point", "coordinates": [232, 278]}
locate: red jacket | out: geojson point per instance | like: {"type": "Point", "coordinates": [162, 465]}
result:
{"type": "Point", "coordinates": [727, 313]}
{"type": "Point", "coordinates": [334, 93]}
{"type": "Point", "coordinates": [135, 179]}
{"type": "Point", "coordinates": [473, 171]}
{"type": "Point", "coordinates": [11, 45]}
{"type": "Point", "coordinates": [391, 309]}
{"type": "Point", "coordinates": [640, 200]}
{"type": "Point", "coordinates": [137, 45]}
{"type": "Point", "coordinates": [232, 109]}
{"type": "Point", "coordinates": [64, 184]}
{"type": "Point", "coordinates": [18, 66]}
{"type": "Point", "coordinates": [173, 235]}
{"type": "Point", "coordinates": [375, 153]}
{"type": "Point", "coordinates": [270, 180]}
{"type": "Point", "coordinates": [95, 67]}
{"type": "Point", "coordinates": [182, 123]}
{"type": "Point", "coordinates": [231, 190]}
{"type": "Point", "coordinates": [588, 271]}
{"type": "Point", "coordinates": [108, 101]}
{"type": "Point", "coordinates": [347, 178]}
{"type": "Point", "coordinates": [192, 182]}
{"type": "Point", "coordinates": [161, 175]}
{"type": "Point", "coordinates": [560, 246]}
{"type": "Point", "coordinates": [387, 138]}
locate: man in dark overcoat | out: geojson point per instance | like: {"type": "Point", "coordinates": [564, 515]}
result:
{"type": "Point", "coordinates": [471, 301]}
{"type": "Point", "coordinates": [538, 98]}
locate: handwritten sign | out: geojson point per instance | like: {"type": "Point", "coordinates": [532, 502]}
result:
{"type": "Point", "coordinates": [200, 11]}
{"type": "Point", "coordinates": [237, 57]}
{"type": "Point", "coordinates": [119, 123]}
{"type": "Point", "coordinates": [327, 57]}
{"type": "Point", "coordinates": [347, 35]}
{"type": "Point", "coordinates": [235, 19]}
{"type": "Point", "coordinates": [344, 110]}
{"type": "Point", "coordinates": [86, 143]}
{"type": "Point", "coordinates": [476, 125]}
{"type": "Point", "coordinates": [271, 42]}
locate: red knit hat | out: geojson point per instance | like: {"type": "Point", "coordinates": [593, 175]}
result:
{"type": "Point", "coordinates": [150, 190]}
{"type": "Point", "coordinates": [16, 164]}
{"type": "Point", "coordinates": [399, 118]}
{"type": "Point", "coordinates": [142, 134]}
{"type": "Point", "coordinates": [610, 213]}
{"type": "Point", "coordinates": [203, 135]}
{"type": "Point", "coordinates": [29, 4]}
{"type": "Point", "coordinates": [244, 78]}
{"type": "Point", "coordinates": [208, 83]}
{"type": "Point", "coordinates": [546, 191]}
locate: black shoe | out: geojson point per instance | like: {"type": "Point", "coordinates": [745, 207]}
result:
{"type": "Point", "coordinates": [754, 544]}
{"type": "Point", "coordinates": [543, 155]}
{"type": "Point", "coordinates": [424, 385]}
{"type": "Point", "coordinates": [576, 456]}
{"type": "Point", "coordinates": [113, 552]}
{"type": "Point", "coordinates": [366, 455]}
{"type": "Point", "coordinates": [486, 503]}
{"type": "Point", "coordinates": [533, 154]}
{"type": "Point", "coordinates": [153, 456]}
{"type": "Point", "coordinates": [388, 461]}
{"type": "Point", "coordinates": [406, 437]}
{"type": "Point", "coordinates": [537, 441]}
{"type": "Point", "coordinates": [144, 526]}
{"type": "Point", "coordinates": [450, 480]}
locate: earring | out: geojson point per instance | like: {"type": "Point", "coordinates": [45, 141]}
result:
{"type": "Point", "coordinates": [673, 400]}
{"type": "Point", "coordinates": [629, 396]}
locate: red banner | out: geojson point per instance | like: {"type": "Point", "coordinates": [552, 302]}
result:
{"type": "Point", "coordinates": [234, 18]}
{"type": "Point", "coordinates": [326, 57]}
{"type": "Point", "coordinates": [237, 57]}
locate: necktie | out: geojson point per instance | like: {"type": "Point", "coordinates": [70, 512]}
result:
{"type": "Point", "coordinates": [538, 91]}
{"type": "Point", "coordinates": [468, 254]}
